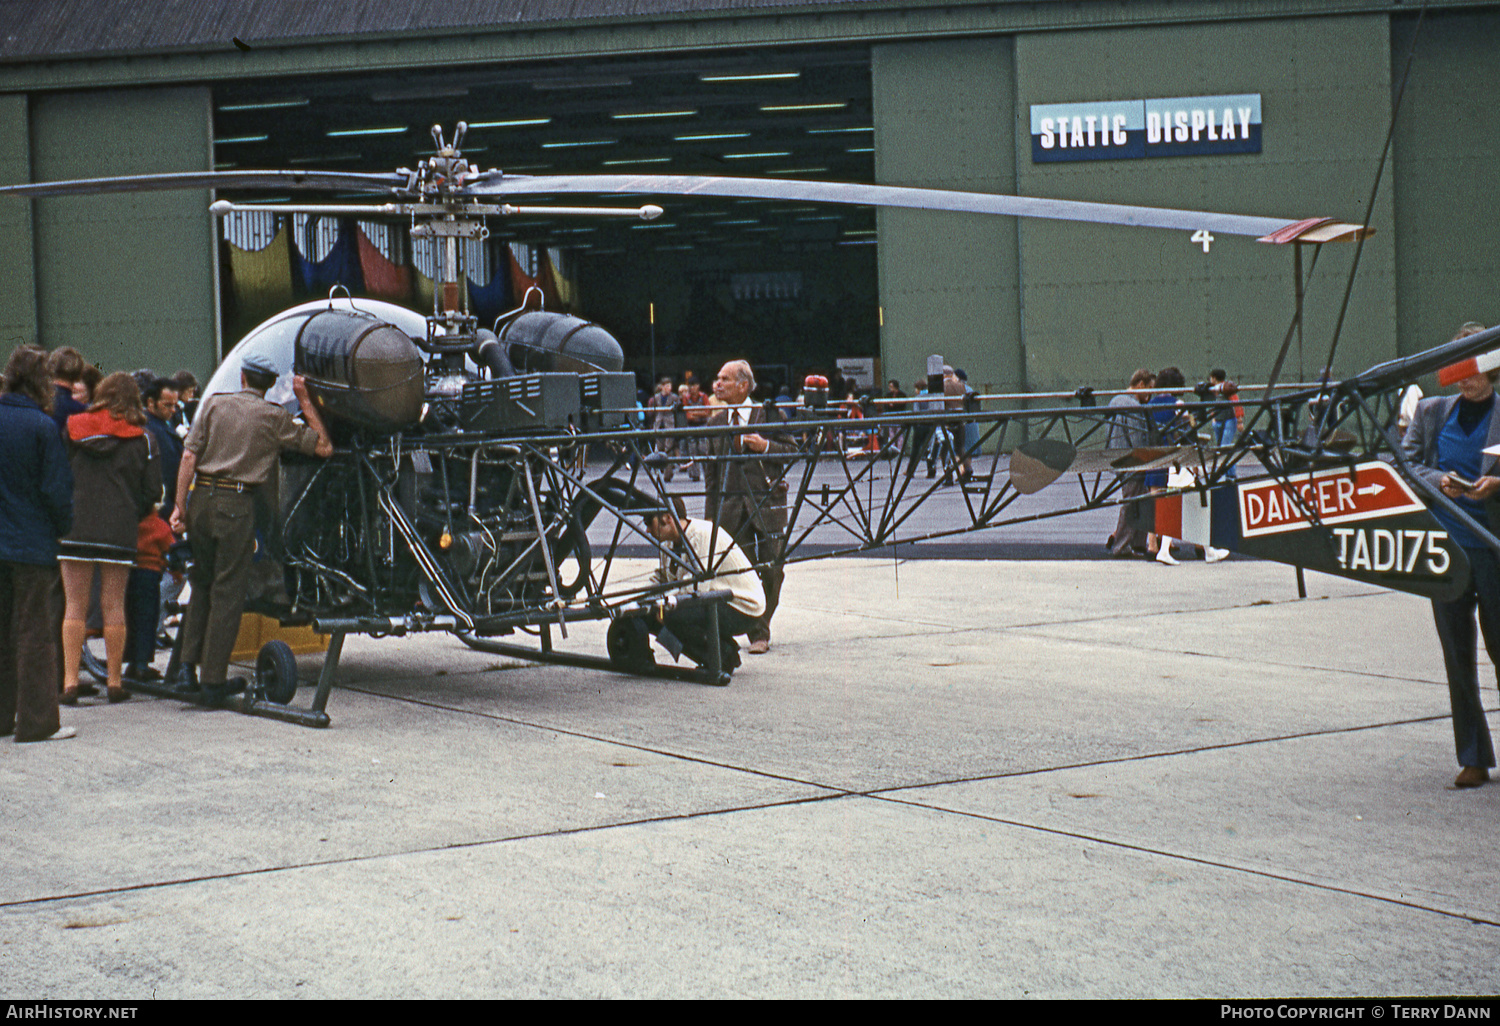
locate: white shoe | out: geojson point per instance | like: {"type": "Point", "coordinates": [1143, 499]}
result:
{"type": "Point", "coordinates": [1213, 555]}
{"type": "Point", "coordinates": [1164, 555]}
{"type": "Point", "coordinates": [60, 734]}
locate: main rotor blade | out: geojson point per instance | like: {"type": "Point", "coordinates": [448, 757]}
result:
{"type": "Point", "coordinates": [878, 196]}
{"type": "Point", "coordinates": [680, 185]}
{"type": "Point", "coordinates": [342, 181]}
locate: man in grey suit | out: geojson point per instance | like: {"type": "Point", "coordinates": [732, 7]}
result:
{"type": "Point", "coordinates": [1445, 445]}
{"type": "Point", "coordinates": [747, 496]}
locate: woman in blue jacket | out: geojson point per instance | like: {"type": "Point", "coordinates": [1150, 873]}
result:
{"type": "Point", "coordinates": [36, 509]}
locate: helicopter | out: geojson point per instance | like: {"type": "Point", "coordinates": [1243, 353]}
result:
{"type": "Point", "coordinates": [456, 500]}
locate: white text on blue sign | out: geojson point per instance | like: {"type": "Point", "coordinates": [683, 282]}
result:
{"type": "Point", "coordinates": [1131, 129]}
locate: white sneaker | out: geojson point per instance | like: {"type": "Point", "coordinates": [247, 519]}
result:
{"type": "Point", "coordinates": [60, 734]}
{"type": "Point", "coordinates": [1164, 555]}
{"type": "Point", "coordinates": [1213, 555]}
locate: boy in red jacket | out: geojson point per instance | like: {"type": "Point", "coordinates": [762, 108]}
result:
{"type": "Point", "coordinates": [143, 595]}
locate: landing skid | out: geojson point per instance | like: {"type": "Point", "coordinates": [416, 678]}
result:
{"type": "Point", "coordinates": [274, 683]}
{"type": "Point", "coordinates": [270, 679]}
{"type": "Point", "coordinates": [710, 672]}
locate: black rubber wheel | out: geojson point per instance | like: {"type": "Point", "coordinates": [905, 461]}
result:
{"type": "Point", "coordinates": [629, 645]}
{"type": "Point", "coordinates": [276, 672]}
{"type": "Point", "coordinates": [93, 662]}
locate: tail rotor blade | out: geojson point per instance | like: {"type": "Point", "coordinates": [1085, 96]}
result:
{"type": "Point", "coordinates": [1037, 463]}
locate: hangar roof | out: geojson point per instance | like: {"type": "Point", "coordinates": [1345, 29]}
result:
{"type": "Point", "coordinates": [42, 29]}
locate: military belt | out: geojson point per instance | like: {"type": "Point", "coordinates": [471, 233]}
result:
{"type": "Point", "coordinates": [221, 483]}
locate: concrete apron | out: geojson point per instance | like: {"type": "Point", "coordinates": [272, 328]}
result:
{"type": "Point", "coordinates": [946, 779]}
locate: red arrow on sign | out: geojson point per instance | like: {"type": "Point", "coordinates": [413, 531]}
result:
{"type": "Point", "coordinates": [1335, 496]}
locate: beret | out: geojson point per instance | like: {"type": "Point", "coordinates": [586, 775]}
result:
{"type": "Point", "coordinates": [260, 362]}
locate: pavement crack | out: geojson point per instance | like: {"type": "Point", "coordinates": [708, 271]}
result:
{"type": "Point", "coordinates": [634, 746]}
{"type": "Point", "coordinates": [1198, 860]}
{"type": "Point", "coordinates": [349, 860]}
{"type": "Point", "coordinates": [1037, 625]}
{"type": "Point", "coordinates": [1146, 756]}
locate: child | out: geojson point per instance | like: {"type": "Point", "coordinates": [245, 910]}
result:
{"type": "Point", "coordinates": [143, 596]}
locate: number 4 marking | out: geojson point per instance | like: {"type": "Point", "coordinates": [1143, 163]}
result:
{"type": "Point", "coordinates": [1201, 235]}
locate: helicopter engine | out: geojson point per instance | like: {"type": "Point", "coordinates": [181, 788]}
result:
{"type": "Point", "coordinates": [492, 529]}
{"type": "Point", "coordinates": [367, 373]}
{"type": "Point", "coordinates": [438, 498]}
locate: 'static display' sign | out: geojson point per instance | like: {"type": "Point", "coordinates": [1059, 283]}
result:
{"type": "Point", "coordinates": [1128, 129]}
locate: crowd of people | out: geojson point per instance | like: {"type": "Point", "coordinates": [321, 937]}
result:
{"type": "Point", "coordinates": [1152, 412]}
{"type": "Point", "coordinates": [94, 471]}
{"type": "Point", "coordinates": [88, 463]}
{"type": "Point", "coordinates": [753, 517]}
{"type": "Point", "coordinates": [684, 406]}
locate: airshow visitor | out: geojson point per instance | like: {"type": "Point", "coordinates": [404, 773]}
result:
{"type": "Point", "coordinates": [713, 550]}
{"type": "Point", "coordinates": [1446, 444]}
{"type": "Point", "coordinates": [36, 509]}
{"type": "Point", "coordinates": [744, 492]}
{"type": "Point", "coordinates": [117, 481]}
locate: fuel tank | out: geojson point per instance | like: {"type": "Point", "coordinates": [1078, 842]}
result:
{"type": "Point", "coordinates": [541, 342]}
{"type": "Point", "coordinates": [360, 370]}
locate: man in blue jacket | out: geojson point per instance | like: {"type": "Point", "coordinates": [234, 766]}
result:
{"type": "Point", "coordinates": [149, 590]}
{"type": "Point", "coordinates": [36, 509]}
{"type": "Point", "coordinates": [160, 399]}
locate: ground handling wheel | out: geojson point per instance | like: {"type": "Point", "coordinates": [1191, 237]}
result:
{"type": "Point", "coordinates": [629, 646]}
{"type": "Point", "coordinates": [93, 659]}
{"type": "Point", "coordinates": [276, 672]}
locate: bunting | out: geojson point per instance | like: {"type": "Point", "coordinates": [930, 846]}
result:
{"type": "Point", "coordinates": [520, 279]}
{"type": "Point", "coordinates": [261, 278]}
{"type": "Point", "coordinates": [340, 267]}
{"type": "Point", "coordinates": [383, 279]}
{"type": "Point", "coordinates": [357, 262]}
{"type": "Point", "coordinates": [563, 282]}
{"type": "Point", "coordinates": [422, 290]}
{"type": "Point", "coordinates": [487, 302]}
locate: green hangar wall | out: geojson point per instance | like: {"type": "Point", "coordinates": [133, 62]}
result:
{"type": "Point", "coordinates": [17, 278]}
{"type": "Point", "coordinates": [1116, 298]}
{"type": "Point", "coordinates": [1446, 155]}
{"type": "Point", "coordinates": [129, 280]}
{"type": "Point", "coordinates": [1022, 305]}
{"type": "Point", "coordinates": [1034, 305]}
{"type": "Point", "coordinates": [945, 118]}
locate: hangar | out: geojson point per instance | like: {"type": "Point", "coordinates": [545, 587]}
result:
{"type": "Point", "coordinates": [993, 96]}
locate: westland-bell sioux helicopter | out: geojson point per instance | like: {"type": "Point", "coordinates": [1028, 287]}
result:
{"type": "Point", "coordinates": [456, 501]}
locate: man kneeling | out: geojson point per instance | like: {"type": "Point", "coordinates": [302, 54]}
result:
{"type": "Point", "coordinates": [700, 542]}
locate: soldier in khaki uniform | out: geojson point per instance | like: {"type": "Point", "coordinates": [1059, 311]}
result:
{"type": "Point", "coordinates": [232, 450]}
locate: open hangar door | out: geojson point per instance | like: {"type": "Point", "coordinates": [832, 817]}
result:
{"type": "Point", "coordinates": [790, 286]}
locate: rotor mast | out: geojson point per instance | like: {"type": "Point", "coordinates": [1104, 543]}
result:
{"type": "Point", "coordinates": [447, 219]}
